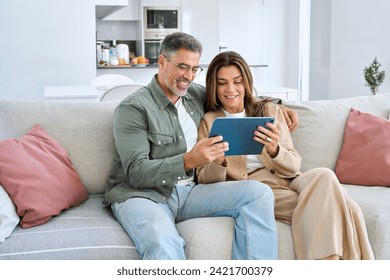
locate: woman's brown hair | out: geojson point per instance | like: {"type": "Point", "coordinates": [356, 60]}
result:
{"type": "Point", "coordinates": [253, 106]}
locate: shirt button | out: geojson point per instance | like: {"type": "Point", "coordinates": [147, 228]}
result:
{"type": "Point", "coordinates": [180, 137]}
{"type": "Point", "coordinates": [174, 118]}
{"type": "Point", "coordinates": [192, 113]}
{"type": "Point", "coordinates": [272, 171]}
{"type": "Point", "coordinates": [159, 142]}
{"type": "Point", "coordinates": [179, 178]}
{"type": "Point", "coordinates": [163, 181]}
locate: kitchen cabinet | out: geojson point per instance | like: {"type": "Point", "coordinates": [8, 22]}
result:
{"type": "Point", "coordinates": [225, 25]}
{"type": "Point", "coordinates": [129, 13]}
{"type": "Point", "coordinates": [162, 3]}
{"type": "Point", "coordinates": [200, 19]}
{"type": "Point", "coordinates": [241, 28]}
{"type": "Point", "coordinates": [105, 8]}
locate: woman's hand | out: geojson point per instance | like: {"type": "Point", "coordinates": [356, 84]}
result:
{"type": "Point", "coordinates": [291, 118]}
{"type": "Point", "coordinates": [269, 137]}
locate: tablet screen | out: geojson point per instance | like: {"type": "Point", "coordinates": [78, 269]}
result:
{"type": "Point", "coordinates": [238, 132]}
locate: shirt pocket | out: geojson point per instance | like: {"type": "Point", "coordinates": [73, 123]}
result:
{"type": "Point", "coordinates": [161, 145]}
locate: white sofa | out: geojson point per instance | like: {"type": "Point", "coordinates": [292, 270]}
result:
{"type": "Point", "coordinates": [89, 231]}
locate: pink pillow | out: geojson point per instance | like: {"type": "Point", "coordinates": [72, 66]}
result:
{"type": "Point", "coordinates": [364, 158]}
{"type": "Point", "coordinates": [38, 175]}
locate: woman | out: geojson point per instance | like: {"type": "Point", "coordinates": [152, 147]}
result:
{"type": "Point", "coordinates": [326, 223]}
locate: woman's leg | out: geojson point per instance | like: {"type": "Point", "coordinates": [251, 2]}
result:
{"type": "Point", "coordinates": [326, 221]}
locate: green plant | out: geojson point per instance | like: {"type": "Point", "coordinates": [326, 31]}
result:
{"type": "Point", "coordinates": [374, 78]}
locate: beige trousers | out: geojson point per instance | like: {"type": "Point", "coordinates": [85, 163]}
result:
{"type": "Point", "coordinates": [325, 221]}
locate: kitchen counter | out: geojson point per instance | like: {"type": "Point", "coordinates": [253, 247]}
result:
{"type": "Point", "coordinates": [126, 66]}
{"type": "Point", "coordinates": [144, 76]}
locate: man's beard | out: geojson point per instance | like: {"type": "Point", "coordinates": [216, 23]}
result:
{"type": "Point", "coordinates": [173, 89]}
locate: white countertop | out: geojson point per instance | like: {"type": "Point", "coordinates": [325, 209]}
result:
{"type": "Point", "coordinates": [73, 92]}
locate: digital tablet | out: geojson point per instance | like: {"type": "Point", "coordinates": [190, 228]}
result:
{"type": "Point", "coordinates": [238, 132]}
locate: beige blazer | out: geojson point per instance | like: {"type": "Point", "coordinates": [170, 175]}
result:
{"type": "Point", "coordinates": [277, 171]}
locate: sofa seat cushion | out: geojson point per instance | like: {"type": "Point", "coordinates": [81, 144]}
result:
{"type": "Point", "coordinates": [87, 232]}
{"type": "Point", "coordinates": [90, 232]}
{"type": "Point", "coordinates": [374, 202]}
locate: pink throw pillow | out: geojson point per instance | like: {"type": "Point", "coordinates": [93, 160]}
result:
{"type": "Point", "coordinates": [364, 158]}
{"type": "Point", "coordinates": [39, 177]}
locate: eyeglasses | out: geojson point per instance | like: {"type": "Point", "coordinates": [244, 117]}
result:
{"type": "Point", "coordinates": [196, 70]}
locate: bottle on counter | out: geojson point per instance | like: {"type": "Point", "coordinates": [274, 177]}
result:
{"type": "Point", "coordinates": [100, 56]}
{"type": "Point", "coordinates": [114, 53]}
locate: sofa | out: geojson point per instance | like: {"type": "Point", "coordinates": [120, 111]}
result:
{"type": "Point", "coordinates": [89, 231]}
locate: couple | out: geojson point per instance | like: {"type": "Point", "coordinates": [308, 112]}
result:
{"type": "Point", "coordinates": [160, 154]}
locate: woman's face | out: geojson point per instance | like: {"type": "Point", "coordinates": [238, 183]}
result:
{"type": "Point", "coordinates": [231, 89]}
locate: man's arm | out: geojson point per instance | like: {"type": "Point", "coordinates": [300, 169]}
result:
{"type": "Point", "coordinates": [290, 116]}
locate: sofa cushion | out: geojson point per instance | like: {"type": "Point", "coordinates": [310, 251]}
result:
{"type": "Point", "coordinates": [86, 232]}
{"type": "Point", "coordinates": [364, 158]}
{"type": "Point", "coordinates": [319, 136]}
{"type": "Point", "coordinates": [8, 217]}
{"type": "Point", "coordinates": [84, 129]}
{"type": "Point", "coordinates": [374, 202]}
{"type": "Point", "coordinates": [37, 173]}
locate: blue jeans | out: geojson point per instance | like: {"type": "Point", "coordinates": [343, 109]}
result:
{"type": "Point", "coordinates": [152, 225]}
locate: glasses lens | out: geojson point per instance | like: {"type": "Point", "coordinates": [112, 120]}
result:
{"type": "Point", "coordinates": [198, 70]}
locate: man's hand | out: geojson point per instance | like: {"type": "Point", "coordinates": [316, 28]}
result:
{"type": "Point", "coordinates": [291, 118]}
{"type": "Point", "coordinates": [204, 152]}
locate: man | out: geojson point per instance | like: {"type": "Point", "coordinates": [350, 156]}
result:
{"type": "Point", "coordinates": [152, 186]}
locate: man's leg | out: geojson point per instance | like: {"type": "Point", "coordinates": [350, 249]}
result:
{"type": "Point", "coordinates": [151, 226]}
{"type": "Point", "coordinates": [251, 203]}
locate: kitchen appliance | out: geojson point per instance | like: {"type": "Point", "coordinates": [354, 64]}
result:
{"type": "Point", "coordinates": [159, 21]}
{"type": "Point", "coordinates": [152, 50]}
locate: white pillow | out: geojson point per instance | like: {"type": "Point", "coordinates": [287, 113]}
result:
{"type": "Point", "coordinates": [8, 217]}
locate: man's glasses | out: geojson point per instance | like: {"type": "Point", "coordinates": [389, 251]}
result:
{"type": "Point", "coordinates": [196, 70]}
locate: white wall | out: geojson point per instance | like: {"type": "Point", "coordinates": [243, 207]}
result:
{"type": "Point", "coordinates": [280, 41]}
{"type": "Point", "coordinates": [45, 42]}
{"type": "Point", "coordinates": [346, 37]}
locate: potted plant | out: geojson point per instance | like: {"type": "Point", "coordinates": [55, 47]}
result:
{"type": "Point", "coordinates": [373, 76]}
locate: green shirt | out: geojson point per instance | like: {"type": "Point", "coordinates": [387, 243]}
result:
{"type": "Point", "coordinates": [150, 143]}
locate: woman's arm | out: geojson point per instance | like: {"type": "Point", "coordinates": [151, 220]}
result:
{"type": "Point", "coordinates": [287, 162]}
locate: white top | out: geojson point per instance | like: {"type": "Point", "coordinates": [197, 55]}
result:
{"type": "Point", "coordinates": [190, 133]}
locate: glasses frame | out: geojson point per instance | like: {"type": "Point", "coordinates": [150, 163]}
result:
{"type": "Point", "coordinates": [196, 70]}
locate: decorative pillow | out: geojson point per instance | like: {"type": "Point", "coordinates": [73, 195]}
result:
{"type": "Point", "coordinates": [364, 158]}
{"type": "Point", "coordinates": [39, 177]}
{"type": "Point", "coordinates": [8, 217]}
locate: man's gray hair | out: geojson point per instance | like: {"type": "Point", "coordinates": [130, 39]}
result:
{"type": "Point", "coordinates": [179, 40]}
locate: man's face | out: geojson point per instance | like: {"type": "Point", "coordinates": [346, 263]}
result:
{"type": "Point", "coordinates": [177, 72]}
